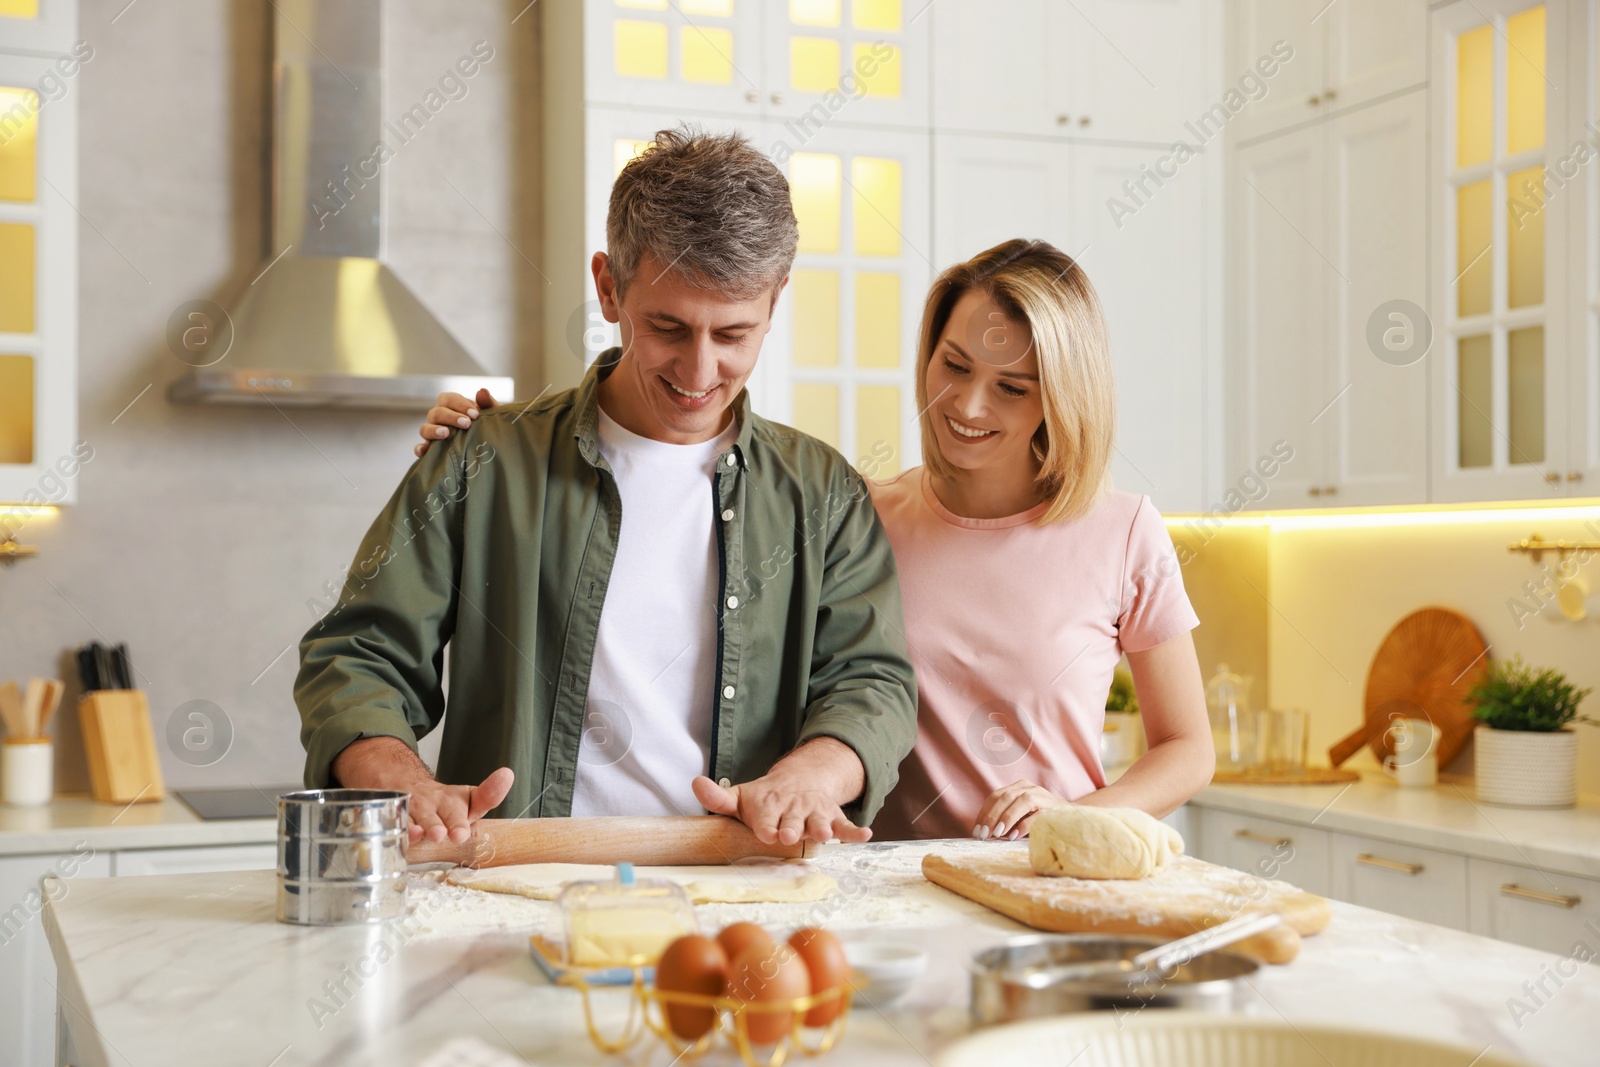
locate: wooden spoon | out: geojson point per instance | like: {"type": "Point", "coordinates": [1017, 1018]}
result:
{"type": "Point", "coordinates": [32, 707]}
{"type": "Point", "coordinates": [53, 689]}
{"type": "Point", "coordinates": [11, 708]}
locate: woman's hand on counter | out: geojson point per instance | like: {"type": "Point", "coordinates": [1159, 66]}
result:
{"type": "Point", "coordinates": [451, 411]}
{"type": "Point", "coordinates": [436, 810]}
{"type": "Point", "coordinates": [1010, 810]}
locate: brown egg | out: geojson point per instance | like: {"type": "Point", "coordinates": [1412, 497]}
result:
{"type": "Point", "coordinates": [766, 973]}
{"type": "Point", "coordinates": [825, 962]}
{"type": "Point", "coordinates": [736, 938]}
{"type": "Point", "coordinates": [692, 964]}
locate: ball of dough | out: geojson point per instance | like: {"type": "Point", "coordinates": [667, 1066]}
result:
{"type": "Point", "coordinates": [1079, 841]}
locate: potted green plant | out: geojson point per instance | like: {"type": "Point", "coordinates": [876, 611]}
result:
{"type": "Point", "coordinates": [1120, 738]}
{"type": "Point", "coordinates": [1527, 750]}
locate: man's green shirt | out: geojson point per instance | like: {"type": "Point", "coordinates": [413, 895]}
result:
{"type": "Point", "coordinates": [499, 544]}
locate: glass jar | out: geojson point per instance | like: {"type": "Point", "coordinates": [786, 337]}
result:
{"type": "Point", "coordinates": [1233, 728]}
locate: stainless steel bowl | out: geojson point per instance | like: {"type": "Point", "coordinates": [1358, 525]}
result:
{"type": "Point", "coordinates": [1213, 982]}
{"type": "Point", "coordinates": [341, 856]}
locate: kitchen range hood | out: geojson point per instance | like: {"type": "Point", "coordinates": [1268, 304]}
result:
{"type": "Point", "coordinates": [326, 322]}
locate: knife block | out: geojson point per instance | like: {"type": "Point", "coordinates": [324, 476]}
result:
{"type": "Point", "coordinates": [120, 746]}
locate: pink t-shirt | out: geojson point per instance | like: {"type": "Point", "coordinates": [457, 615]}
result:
{"type": "Point", "coordinates": [1014, 630]}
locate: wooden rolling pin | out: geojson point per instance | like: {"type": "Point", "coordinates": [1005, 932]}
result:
{"type": "Point", "coordinates": [661, 841]}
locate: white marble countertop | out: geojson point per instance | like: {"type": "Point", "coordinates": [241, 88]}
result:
{"type": "Point", "coordinates": [194, 970]}
{"type": "Point", "coordinates": [1447, 816]}
{"type": "Point", "coordinates": [73, 819]}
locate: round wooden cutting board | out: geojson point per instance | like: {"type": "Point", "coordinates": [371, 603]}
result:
{"type": "Point", "coordinates": [1424, 669]}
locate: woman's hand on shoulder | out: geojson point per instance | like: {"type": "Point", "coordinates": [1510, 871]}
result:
{"type": "Point", "coordinates": [1010, 810]}
{"type": "Point", "coordinates": [451, 411]}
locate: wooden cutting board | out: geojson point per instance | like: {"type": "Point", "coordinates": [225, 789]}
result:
{"type": "Point", "coordinates": [1422, 670]}
{"type": "Point", "coordinates": [1186, 896]}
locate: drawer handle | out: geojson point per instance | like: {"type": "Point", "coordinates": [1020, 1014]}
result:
{"type": "Point", "coordinates": [1555, 900]}
{"type": "Point", "coordinates": [1389, 865]}
{"type": "Point", "coordinates": [1262, 839]}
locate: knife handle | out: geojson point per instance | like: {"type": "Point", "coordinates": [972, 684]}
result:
{"type": "Point", "coordinates": [661, 841]}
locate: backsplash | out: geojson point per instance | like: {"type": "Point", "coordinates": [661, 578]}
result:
{"type": "Point", "coordinates": [1331, 595]}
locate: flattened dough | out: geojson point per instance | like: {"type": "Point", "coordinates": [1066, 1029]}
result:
{"type": "Point", "coordinates": [1079, 841]}
{"type": "Point", "coordinates": [784, 882]}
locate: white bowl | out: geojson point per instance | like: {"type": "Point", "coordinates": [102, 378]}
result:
{"type": "Point", "coordinates": [890, 969]}
{"type": "Point", "coordinates": [1202, 1039]}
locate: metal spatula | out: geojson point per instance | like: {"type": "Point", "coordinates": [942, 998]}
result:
{"type": "Point", "coordinates": [1157, 959]}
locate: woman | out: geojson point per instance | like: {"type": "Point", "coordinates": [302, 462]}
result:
{"type": "Point", "coordinates": [1025, 577]}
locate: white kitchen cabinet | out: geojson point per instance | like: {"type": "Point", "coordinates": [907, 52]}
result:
{"type": "Point", "coordinates": [857, 62]}
{"type": "Point", "coordinates": [1513, 405]}
{"type": "Point", "coordinates": [1346, 54]}
{"type": "Point", "coordinates": [1294, 92]}
{"type": "Point", "coordinates": [48, 26]}
{"type": "Point", "coordinates": [692, 55]}
{"type": "Point", "coordinates": [1278, 382]}
{"type": "Point", "coordinates": [1146, 261]}
{"type": "Point", "coordinates": [1149, 269]}
{"type": "Point", "coordinates": [990, 189]}
{"type": "Point", "coordinates": [27, 969]}
{"type": "Point", "coordinates": [142, 861]}
{"type": "Point", "coordinates": [840, 360]}
{"type": "Point", "coordinates": [1418, 883]}
{"type": "Point", "coordinates": [1542, 909]}
{"type": "Point", "coordinates": [1331, 228]}
{"type": "Point", "coordinates": [1127, 70]}
{"type": "Point", "coordinates": [1267, 848]}
{"type": "Point", "coordinates": [1372, 48]}
{"type": "Point", "coordinates": [39, 450]}
{"type": "Point", "coordinates": [1377, 215]}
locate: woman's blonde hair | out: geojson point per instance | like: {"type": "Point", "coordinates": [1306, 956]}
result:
{"type": "Point", "coordinates": [1034, 282]}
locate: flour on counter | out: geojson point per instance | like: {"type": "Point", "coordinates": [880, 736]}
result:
{"type": "Point", "coordinates": [879, 883]}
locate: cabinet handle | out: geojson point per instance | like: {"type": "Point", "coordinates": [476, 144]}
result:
{"type": "Point", "coordinates": [1329, 94]}
{"type": "Point", "coordinates": [1555, 900]}
{"type": "Point", "coordinates": [1329, 490]}
{"type": "Point", "coordinates": [1083, 120]}
{"type": "Point", "coordinates": [752, 97]}
{"type": "Point", "coordinates": [1315, 490]}
{"type": "Point", "coordinates": [1389, 865]}
{"type": "Point", "coordinates": [1262, 839]}
{"type": "Point", "coordinates": [1063, 120]}
{"type": "Point", "coordinates": [1552, 477]}
{"type": "Point", "coordinates": [1574, 476]}
{"type": "Point", "coordinates": [777, 98]}
{"type": "Point", "coordinates": [1314, 101]}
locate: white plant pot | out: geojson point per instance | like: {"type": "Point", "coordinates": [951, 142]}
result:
{"type": "Point", "coordinates": [1523, 769]}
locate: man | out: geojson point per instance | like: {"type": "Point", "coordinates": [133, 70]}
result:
{"type": "Point", "coordinates": [649, 593]}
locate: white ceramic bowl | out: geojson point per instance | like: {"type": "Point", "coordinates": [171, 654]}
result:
{"type": "Point", "coordinates": [1202, 1039]}
{"type": "Point", "coordinates": [890, 969]}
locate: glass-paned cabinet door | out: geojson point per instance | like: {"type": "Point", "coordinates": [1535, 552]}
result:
{"type": "Point", "coordinates": [691, 55]}
{"type": "Point", "coordinates": [38, 283]}
{"type": "Point", "coordinates": [38, 25]}
{"type": "Point", "coordinates": [1584, 265]}
{"type": "Point", "coordinates": [840, 362]}
{"type": "Point", "coordinates": [856, 62]}
{"type": "Point", "coordinates": [1501, 397]}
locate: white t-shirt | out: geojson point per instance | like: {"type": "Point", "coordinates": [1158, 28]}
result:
{"type": "Point", "coordinates": [647, 723]}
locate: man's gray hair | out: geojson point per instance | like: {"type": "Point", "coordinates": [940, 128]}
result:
{"type": "Point", "coordinates": [708, 206]}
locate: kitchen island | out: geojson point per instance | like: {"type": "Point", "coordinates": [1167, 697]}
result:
{"type": "Point", "coordinates": [180, 970]}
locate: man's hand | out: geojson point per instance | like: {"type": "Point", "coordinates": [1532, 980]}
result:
{"type": "Point", "coordinates": [437, 810]}
{"type": "Point", "coordinates": [1010, 810]}
{"type": "Point", "coordinates": [799, 799]}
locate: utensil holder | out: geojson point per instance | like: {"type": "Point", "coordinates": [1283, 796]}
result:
{"type": "Point", "coordinates": [120, 747]}
{"type": "Point", "coordinates": [25, 771]}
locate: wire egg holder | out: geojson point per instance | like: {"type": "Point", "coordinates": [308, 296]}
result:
{"type": "Point", "coordinates": [647, 1011]}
